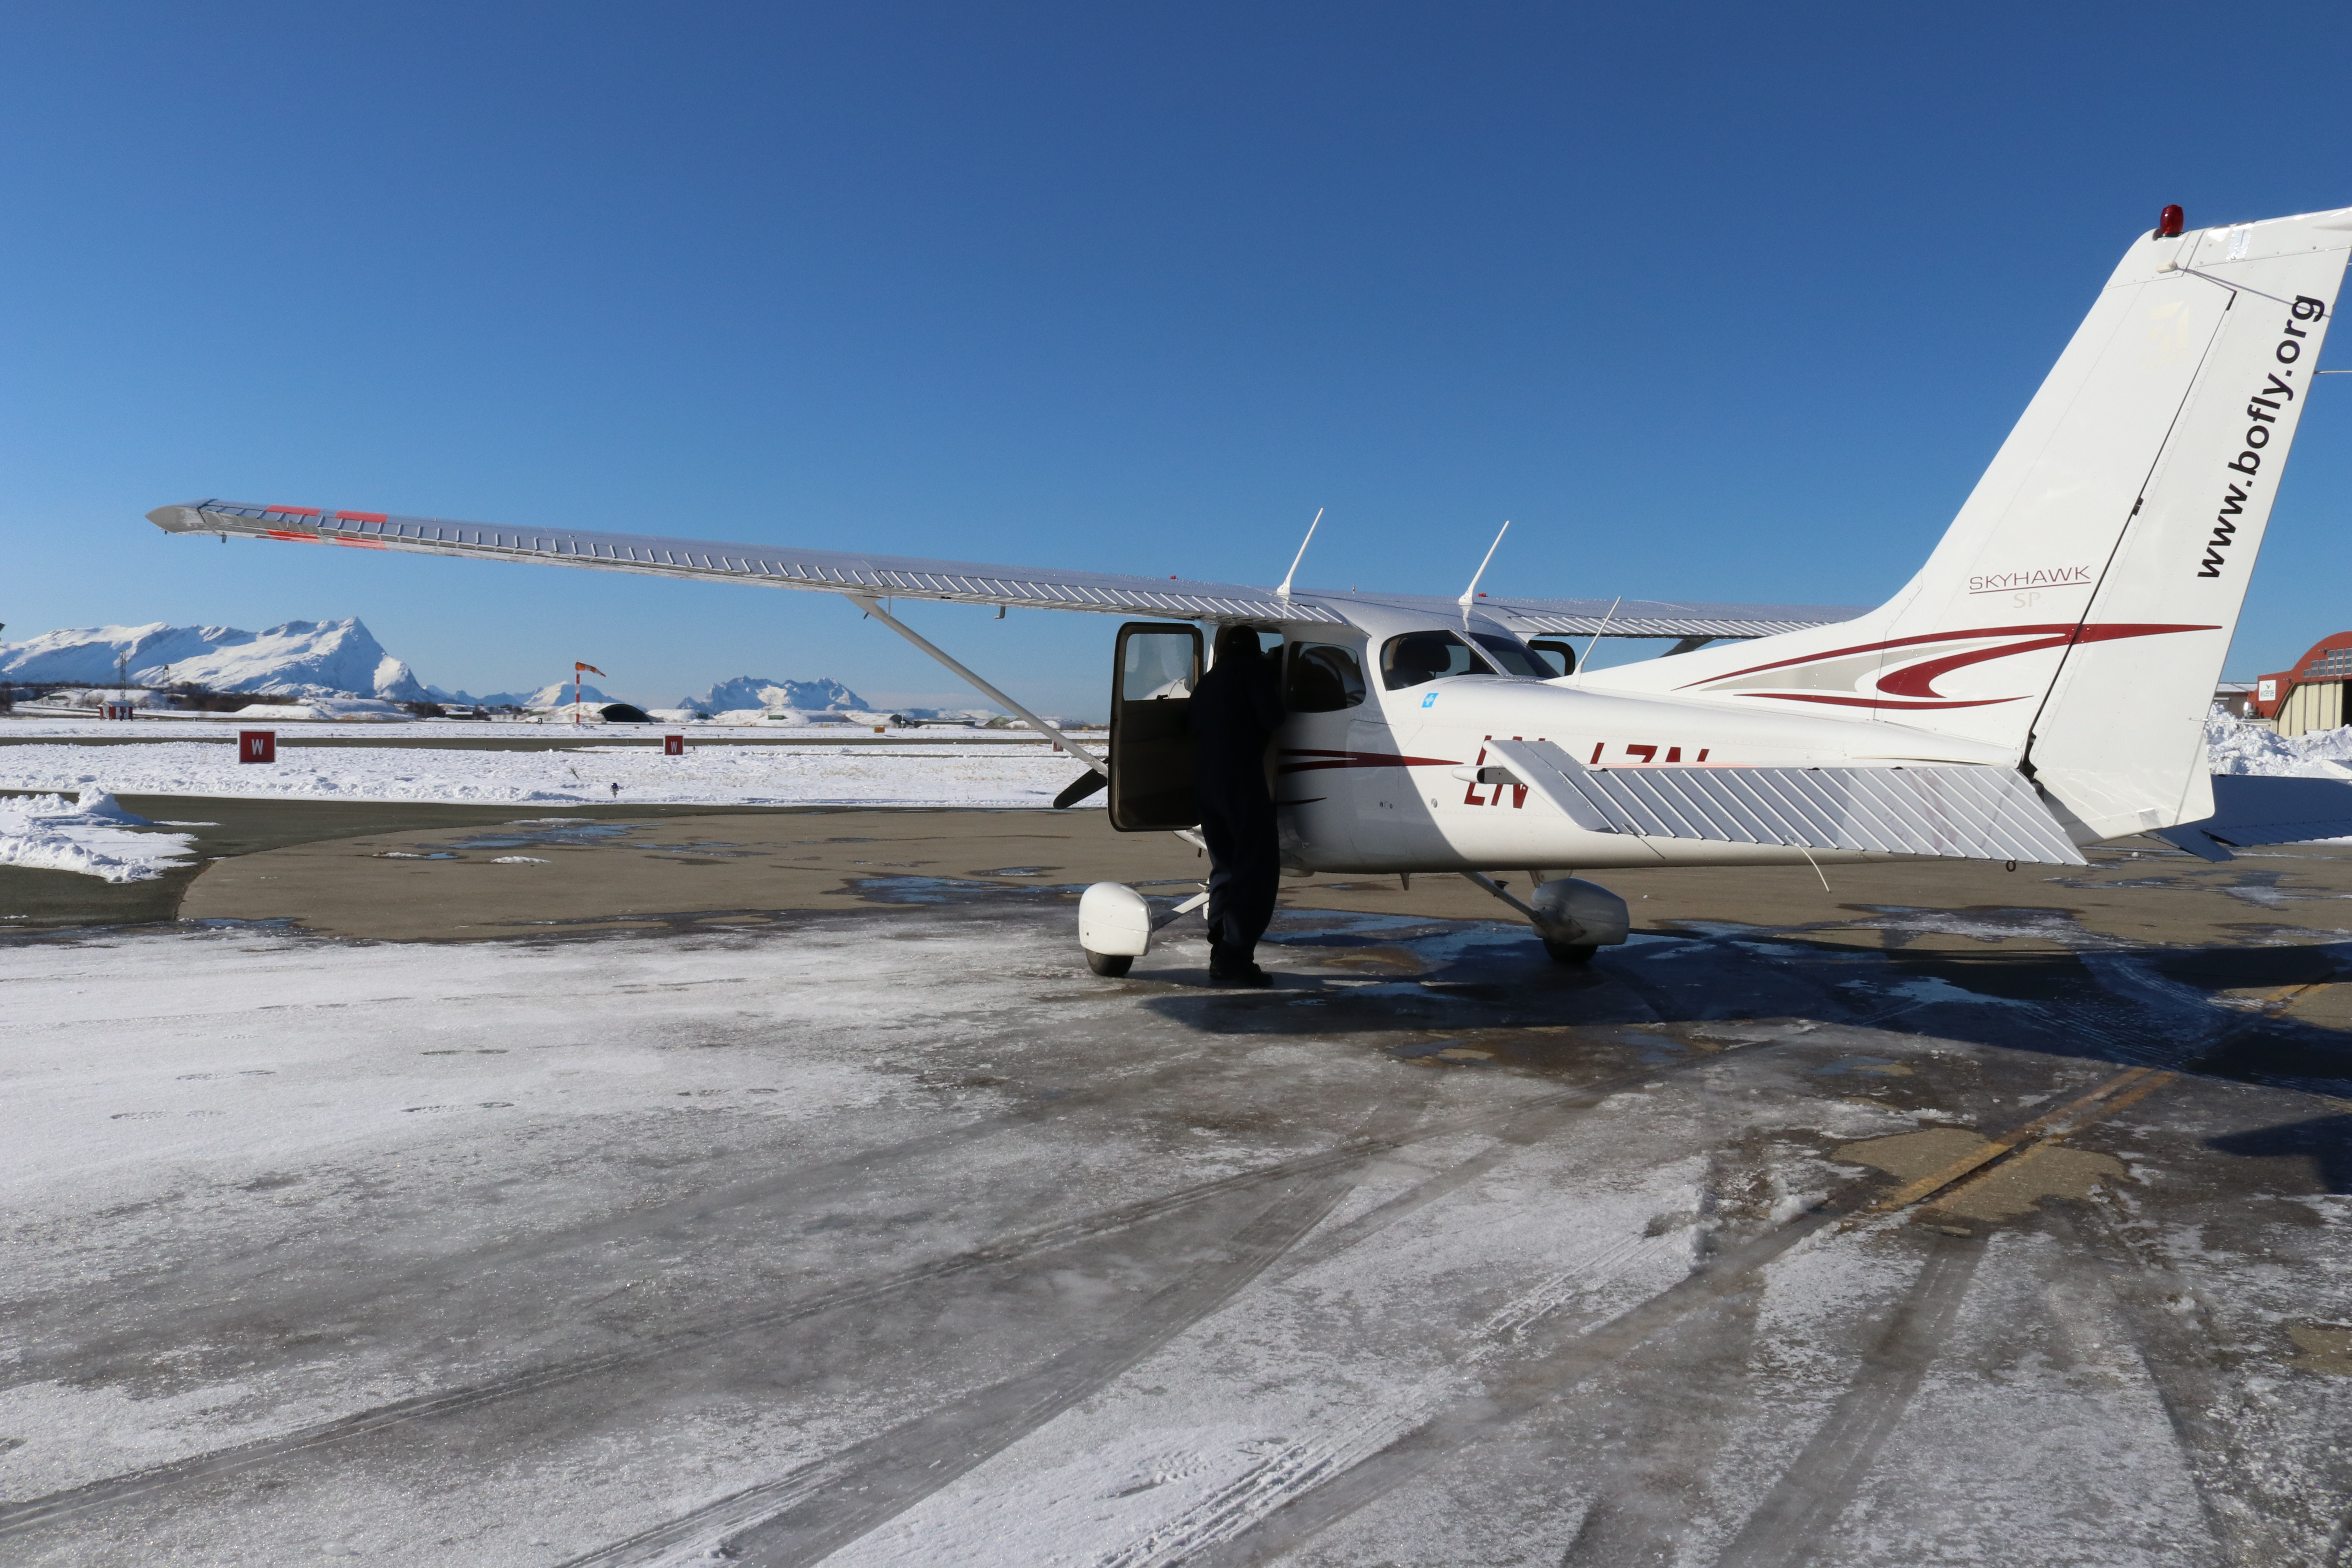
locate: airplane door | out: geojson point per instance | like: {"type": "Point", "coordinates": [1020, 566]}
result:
{"type": "Point", "coordinates": [1153, 672]}
{"type": "Point", "coordinates": [1323, 690]}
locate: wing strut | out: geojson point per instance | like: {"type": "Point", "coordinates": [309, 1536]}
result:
{"type": "Point", "coordinates": [874, 607]}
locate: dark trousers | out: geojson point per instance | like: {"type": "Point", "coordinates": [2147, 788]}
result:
{"type": "Point", "coordinates": [1245, 870]}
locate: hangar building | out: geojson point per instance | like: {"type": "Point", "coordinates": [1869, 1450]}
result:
{"type": "Point", "coordinates": [2310, 696]}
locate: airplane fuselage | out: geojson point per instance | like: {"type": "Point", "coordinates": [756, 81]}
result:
{"type": "Point", "coordinates": [1386, 783]}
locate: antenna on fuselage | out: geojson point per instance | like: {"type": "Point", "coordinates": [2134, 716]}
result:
{"type": "Point", "coordinates": [1598, 629]}
{"type": "Point", "coordinates": [1470, 593]}
{"type": "Point", "coordinates": [1283, 593]}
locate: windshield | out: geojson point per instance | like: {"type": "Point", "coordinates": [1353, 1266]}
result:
{"type": "Point", "coordinates": [1418, 658]}
{"type": "Point", "coordinates": [1514, 656]}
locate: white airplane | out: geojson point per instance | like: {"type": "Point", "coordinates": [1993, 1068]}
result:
{"type": "Point", "coordinates": [2041, 684]}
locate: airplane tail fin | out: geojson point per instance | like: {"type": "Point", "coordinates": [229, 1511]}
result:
{"type": "Point", "coordinates": [2077, 610]}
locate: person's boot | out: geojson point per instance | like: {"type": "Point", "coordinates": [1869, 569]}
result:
{"type": "Point", "coordinates": [1230, 966]}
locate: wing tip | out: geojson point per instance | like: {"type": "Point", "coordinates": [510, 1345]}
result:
{"type": "Point", "coordinates": [184, 517]}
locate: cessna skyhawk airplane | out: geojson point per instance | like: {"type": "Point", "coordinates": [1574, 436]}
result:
{"type": "Point", "coordinates": [2041, 684]}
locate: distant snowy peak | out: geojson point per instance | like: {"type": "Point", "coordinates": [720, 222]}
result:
{"type": "Point", "coordinates": [298, 658]}
{"type": "Point", "coordinates": [557, 695]}
{"type": "Point", "coordinates": [759, 691]}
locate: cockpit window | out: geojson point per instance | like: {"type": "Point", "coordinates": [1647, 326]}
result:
{"type": "Point", "coordinates": [1418, 658]}
{"type": "Point", "coordinates": [1514, 656]}
{"type": "Point", "coordinates": [1323, 679]}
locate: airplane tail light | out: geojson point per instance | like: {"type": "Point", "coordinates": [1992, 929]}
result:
{"type": "Point", "coordinates": [2170, 224]}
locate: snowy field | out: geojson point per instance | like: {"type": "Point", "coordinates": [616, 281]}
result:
{"type": "Point", "coordinates": [98, 838]}
{"type": "Point", "coordinates": [894, 1240]}
{"type": "Point", "coordinates": [226, 727]}
{"type": "Point", "coordinates": [709, 773]}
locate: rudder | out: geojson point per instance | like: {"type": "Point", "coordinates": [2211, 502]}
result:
{"type": "Point", "coordinates": [2119, 741]}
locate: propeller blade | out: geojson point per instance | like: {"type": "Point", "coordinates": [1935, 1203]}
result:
{"type": "Point", "coordinates": [1084, 785]}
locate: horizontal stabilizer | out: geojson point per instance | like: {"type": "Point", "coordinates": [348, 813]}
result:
{"type": "Point", "coordinates": [1963, 811]}
{"type": "Point", "coordinates": [2250, 809]}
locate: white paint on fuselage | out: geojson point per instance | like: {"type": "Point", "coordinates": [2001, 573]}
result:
{"type": "Point", "coordinates": [1372, 787]}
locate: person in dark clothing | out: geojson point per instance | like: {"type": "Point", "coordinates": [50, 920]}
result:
{"type": "Point", "coordinates": [1235, 712]}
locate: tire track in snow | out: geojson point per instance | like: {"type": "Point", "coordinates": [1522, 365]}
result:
{"type": "Point", "coordinates": [2256, 1513]}
{"type": "Point", "coordinates": [820, 1506]}
{"type": "Point", "coordinates": [1274, 1480]}
{"type": "Point", "coordinates": [1801, 1507]}
{"type": "Point", "coordinates": [433, 1277]}
{"type": "Point", "coordinates": [35, 1512]}
{"type": "Point", "coordinates": [1299, 1466]}
{"type": "Point", "coordinates": [1273, 1509]}
{"type": "Point", "coordinates": [1545, 1377]}
{"type": "Point", "coordinates": [817, 1508]}
{"type": "Point", "coordinates": [1642, 1509]}
{"type": "Point", "coordinates": [1529, 1382]}
{"type": "Point", "coordinates": [884, 1478]}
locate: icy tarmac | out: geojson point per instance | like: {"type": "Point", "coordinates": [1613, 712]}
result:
{"type": "Point", "coordinates": [865, 1228]}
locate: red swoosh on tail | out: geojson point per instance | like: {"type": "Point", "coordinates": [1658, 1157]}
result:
{"type": "Point", "coordinates": [1918, 683]}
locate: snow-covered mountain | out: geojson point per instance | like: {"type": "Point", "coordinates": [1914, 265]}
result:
{"type": "Point", "coordinates": [300, 659]}
{"type": "Point", "coordinates": [761, 691]}
{"type": "Point", "coordinates": [342, 658]}
{"type": "Point", "coordinates": [555, 696]}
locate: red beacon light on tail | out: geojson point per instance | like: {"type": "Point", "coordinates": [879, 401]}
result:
{"type": "Point", "coordinates": [2171, 222]}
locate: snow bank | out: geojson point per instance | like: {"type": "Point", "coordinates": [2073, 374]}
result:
{"type": "Point", "coordinates": [924, 775]}
{"type": "Point", "coordinates": [91, 835]}
{"type": "Point", "coordinates": [341, 709]}
{"type": "Point", "coordinates": [2234, 746]}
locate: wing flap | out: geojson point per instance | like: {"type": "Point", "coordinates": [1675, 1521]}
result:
{"type": "Point", "coordinates": [1952, 811]}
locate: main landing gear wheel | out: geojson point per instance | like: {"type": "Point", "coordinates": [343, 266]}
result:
{"type": "Point", "coordinates": [1560, 952]}
{"type": "Point", "coordinates": [1111, 965]}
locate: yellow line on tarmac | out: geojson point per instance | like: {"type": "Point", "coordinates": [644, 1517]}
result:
{"type": "Point", "coordinates": [2125, 1089]}
{"type": "Point", "coordinates": [2137, 1092]}
{"type": "Point", "coordinates": [2140, 1081]}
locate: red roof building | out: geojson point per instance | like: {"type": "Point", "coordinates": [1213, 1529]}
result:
{"type": "Point", "coordinates": [2310, 696]}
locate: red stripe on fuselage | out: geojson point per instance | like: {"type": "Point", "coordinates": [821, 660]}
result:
{"type": "Point", "coordinates": [1360, 760]}
{"type": "Point", "coordinates": [1877, 702]}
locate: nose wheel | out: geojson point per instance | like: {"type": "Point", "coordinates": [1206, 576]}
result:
{"type": "Point", "coordinates": [1115, 925]}
{"type": "Point", "coordinates": [1563, 951]}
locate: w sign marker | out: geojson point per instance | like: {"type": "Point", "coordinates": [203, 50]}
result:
{"type": "Point", "coordinates": [256, 745]}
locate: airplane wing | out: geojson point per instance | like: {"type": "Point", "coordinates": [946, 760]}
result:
{"type": "Point", "coordinates": [1637, 617]}
{"type": "Point", "coordinates": [2253, 808]}
{"type": "Point", "coordinates": [961, 581]}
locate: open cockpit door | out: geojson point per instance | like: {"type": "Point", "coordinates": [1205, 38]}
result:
{"type": "Point", "coordinates": [1153, 675]}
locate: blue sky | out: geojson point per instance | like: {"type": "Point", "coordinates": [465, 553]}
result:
{"type": "Point", "coordinates": [1716, 302]}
